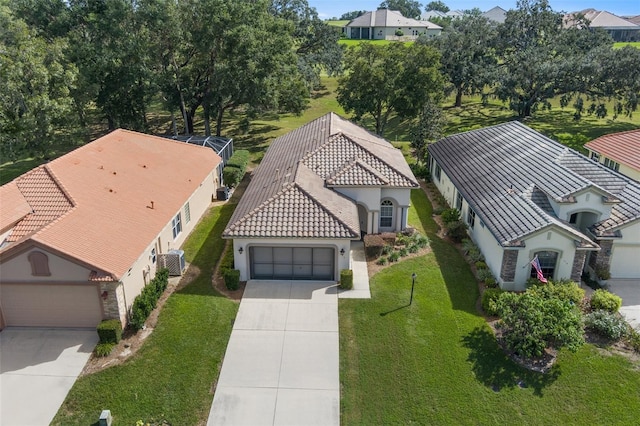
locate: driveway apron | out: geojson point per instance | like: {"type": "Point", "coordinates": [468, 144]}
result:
{"type": "Point", "coordinates": [37, 368]}
{"type": "Point", "coordinates": [281, 366]}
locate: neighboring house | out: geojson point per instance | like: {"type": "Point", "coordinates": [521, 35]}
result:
{"type": "Point", "coordinates": [385, 24]}
{"type": "Point", "coordinates": [618, 151]}
{"type": "Point", "coordinates": [82, 234]}
{"type": "Point", "coordinates": [619, 28]}
{"type": "Point", "coordinates": [497, 15]}
{"type": "Point", "coordinates": [525, 195]}
{"type": "Point", "coordinates": [453, 14]}
{"type": "Point", "coordinates": [318, 188]}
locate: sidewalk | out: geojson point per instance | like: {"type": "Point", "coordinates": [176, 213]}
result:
{"type": "Point", "coordinates": [360, 274]}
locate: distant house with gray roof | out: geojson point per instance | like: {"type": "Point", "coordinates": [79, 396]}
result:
{"type": "Point", "coordinates": [496, 14]}
{"type": "Point", "coordinates": [524, 195]}
{"type": "Point", "coordinates": [619, 28]}
{"type": "Point", "coordinates": [317, 189]}
{"type": "Point", "coordinates": [385, 24]}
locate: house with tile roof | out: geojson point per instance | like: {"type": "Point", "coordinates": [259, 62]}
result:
{"type": "Point", "coordinates": [524, 195]}
{"type": "Point", "coordinates": [618, 151]}
{"type": "Point", "coordinates": [317, 189]}
{"type": "Point", "coordinates": [385, 24]}
{"type": "Point", "coordinates": [82, 235]}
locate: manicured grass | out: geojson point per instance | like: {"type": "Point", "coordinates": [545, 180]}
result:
{"type": "Point", "coordinates": [437, 362]}
{"type": "Point", "coordinates": [171, 377]}
{"type": "Point", "coordinates": [620, 45]}
{"type": "Point", "coordinates": [340, 23]}
{"type": "Point", "coordinates": [354, 42]}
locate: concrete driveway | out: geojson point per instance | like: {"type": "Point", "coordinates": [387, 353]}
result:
{"type": "Point", "coordinates": [281, 366]}
{"type": "Point", "coordinates": [37, 368]}
{"type": "Point", "coordinates": [629, 290]}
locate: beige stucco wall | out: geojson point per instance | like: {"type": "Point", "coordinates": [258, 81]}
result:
{"type": "Point", "coordinates": [623, 169]}
{"type": "Point", "coordinates": [18, 269]}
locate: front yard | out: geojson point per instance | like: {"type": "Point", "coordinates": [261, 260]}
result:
{"type": "Point", "coordinates": [437, 362]}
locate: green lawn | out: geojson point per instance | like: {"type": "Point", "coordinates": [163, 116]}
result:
{"type": "Point", "coordinates": [630, 43]}
{"type": "Point", "coordinates": [354, 42]}
{"type": "Point", "coordinates": [436, 361]}
{"type": "Point", "coordinates": [339, 23]}
{"type": "Point", "coordinates": [170, 379]}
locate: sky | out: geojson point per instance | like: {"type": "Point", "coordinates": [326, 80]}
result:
{"type": "Point", "coordinates": [334, 8]}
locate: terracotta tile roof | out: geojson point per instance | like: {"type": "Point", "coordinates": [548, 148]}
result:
{"type": "Point", "coordinates": [45, 197]}
{"type": "Point", "coordinates": [622, 147]}
{"type": "Point", "coordinates": [13, 206]}
{"type": "Point", "coordinates": [509, 174]}
{"type": "Point", "coordinates": [92, 204]}
{"type": "Point", "coordinates": [329, 151]}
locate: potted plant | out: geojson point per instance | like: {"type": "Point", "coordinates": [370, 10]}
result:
{"type": "Point", "coordinates": [603, 274]}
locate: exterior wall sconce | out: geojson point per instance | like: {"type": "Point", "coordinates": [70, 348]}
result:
{"type": "Point", "coordinates": [342, 251]}
{"type": "Point", "coordinates": [104, 295]}
{"type": "Point", "coordinates": [240, 250]}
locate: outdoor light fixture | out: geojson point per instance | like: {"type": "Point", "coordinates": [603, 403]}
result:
{"type": "Point", "coordinates": [413, 283]}
{"type": "Point", "coordinates": [342, 251]}
{"type": "Point", "coordinates": [240, 250]}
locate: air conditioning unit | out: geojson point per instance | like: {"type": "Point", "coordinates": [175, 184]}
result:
{"type": "Point", "coordinates": [173, 261]}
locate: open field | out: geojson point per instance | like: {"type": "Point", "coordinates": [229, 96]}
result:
{"type": "Point", "coordinates": [437, 362]}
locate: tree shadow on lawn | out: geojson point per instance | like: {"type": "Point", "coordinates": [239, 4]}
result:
{"type": "Point", "coordinates": [495, 370]}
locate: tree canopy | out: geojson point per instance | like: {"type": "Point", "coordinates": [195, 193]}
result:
{"type": "Point", "coordinates": [350, 16]}
{"type": "Point", "coordinates": [408, 8]}
{"type": "Point", "coordinates": [394, 79]}
{"type": "Point", "coordinates": [437, 5]}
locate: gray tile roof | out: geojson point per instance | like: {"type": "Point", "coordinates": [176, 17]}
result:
{"type": "Point", "coordinates": [290, 192]}
{"type": "Point", "coordinates": [389, 18]}
{"type": "Point", "coordinates": [509, 173]}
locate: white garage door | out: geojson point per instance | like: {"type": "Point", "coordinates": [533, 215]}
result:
{"type": "Point", "coordinates": [292, 263]}
{"type": "Point", "coordinates": [42, 305]}
{"type": "Point", "coordinates": [625, 262]}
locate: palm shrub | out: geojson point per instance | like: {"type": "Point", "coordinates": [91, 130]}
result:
{"type": "Point", "coordinates": [602, 299]}
{"type": "Point", "coordinates": [393, 257]}
{"type": "Point", "coordinates": [450, 215]}
{"type": "Point", "coordinates": [382, 260]}
{"type": "Point", "coordinates": [468, 245]}
{"type": "Point", "coordinates": [403, 252]}
{"type": "Point", "coordinates": [532, 323]}
{"type": "Point", "coordinates": [606, 324]}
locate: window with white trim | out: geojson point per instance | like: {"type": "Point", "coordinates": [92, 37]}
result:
{"type": "Point", "coordinates": [459, 201]}
{"type": "Point", "coordinates": [548, 261]}
{"type": "Point", "coordinates": [611, 164]}
{"type": "Point", "coordinates": [176, 225]}
{"type": "Point", "coordinates": [152, 257]}
{"type": "Point", "coordinates": [471, 218]}
{"type": "Point", "coordinates": [595, 156]}
{"type": "Point", "coordinates": [386, 214]}
{"type": "Point", "coordinates": [187, 213]}
{"type": "Point", "coordinates": [438, 172]}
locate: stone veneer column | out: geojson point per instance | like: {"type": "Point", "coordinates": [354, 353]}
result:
{"type": "Point", "coordinates": [603, 257]}
{"type": "Point", "coordinates": [509, 262]}
{"type": "Point", "coordinates": [113, 306]}
{"type": "Point", "coordinates": [578, 265]}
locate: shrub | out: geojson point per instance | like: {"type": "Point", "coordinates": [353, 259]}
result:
{"type": "Point", "coordinates": [564, 290]}
{"type": "Point", "coordinates": [104, 349]}
{"type": "Point", "coordinates": [484, 274]}
{"type": "Point", "coordinates": [373, 245]}
{"type": "Point", "coordinates": [393, 257]}
{"type": "Point", "coordinates": [421, 171]}
{"type": "Point", "coordinates": [387, 249]}
{"type": "Point", "coordinates": [437, 210]}
{"type": "Point", "coordinates": [147, 300]}
{"type": "Point", "coordinates": [403, 252]}
{"type": "Point", "coordinates": [346, 279]}
{"type": "Point", "coordinates": [606, 324]}
{"type": "Point", "coordinates": [491, 282]}
{"type": "Point", "coordinates": [420, 240]}
{"type": "Point", "coordinates": [399, 33]}
{"type": "Point", "coordinates": [490, 301]}
{"type": "Point", "coordinates": [457, 230]}
{"type": "Point", "coordinates": [633, 338]}
{"type": "Point", "coordinates": [468, 245]}
{"type": "Point", "coordinates": [232, 176]}
{"type": "Point", "coordinates": [239, 159]}
{"type": "Point", "coordinates": [602, 272]}
{"type": "Point", "coordinates": [475, 255]}
{"type": "Point", "coordinates": [481, 265]}
{"type": "Point", "coordinates": [389, 237]}
{"type": "Point", "coordinates": [413, 248]}
{"type": "Point", "coordinates": [602, 299]}
{"type": "Point", "coordinates": [532, 323]}
{"type": "Point", "coordinates": [382, 260]}
{"type": "Point", "coordinates": [450, 215]}
{"type": "Point", "coordinates": [110, 331]}
{"type": "Point", "coordinates": [231, 279]}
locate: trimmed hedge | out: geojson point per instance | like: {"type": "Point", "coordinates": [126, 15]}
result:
{"type": "Point", "coordinates": [232, 176]}
{"type": "Point", "coordinates": [231, 278]}
{"type": "Point", "coordinates": [239, 159]}
{"type": "Point", "coordinates": [346, 279]}
{"type": "Point", "coordinates": [602, 299]}
{"type": "Point", "coordinates": [147, 300]}
{"type": "Point", "coordinates": [373, 246]}
{"type": "Point", "coordinates": [110, 331]}
{"type": "Point", "coordinates": [236, 167]}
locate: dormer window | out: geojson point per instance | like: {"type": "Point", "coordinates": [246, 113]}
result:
{"type": "Point", "coordinates": [39, 264]}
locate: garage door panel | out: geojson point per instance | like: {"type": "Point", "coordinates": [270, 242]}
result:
{"type": "Point", "coordinates": [53, 305]}
{"type": "Point", "coordinates": [297, 263]}
{"type": "Point", "coordinates": [624, 262]}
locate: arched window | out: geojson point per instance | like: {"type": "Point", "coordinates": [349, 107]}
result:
{"type": "Point", "coordinates": [386, 214]}
{"type": "Point", "coordinates": [39, 264]}
{"type": "Point", "coordinates": [548, 261]}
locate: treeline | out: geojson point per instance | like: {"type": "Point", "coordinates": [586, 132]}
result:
{"type": "Point", "coordinates": [60, 59]}
{"type": "Point", "coordinates": [530, 59]}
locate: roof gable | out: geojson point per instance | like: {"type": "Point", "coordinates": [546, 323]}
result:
{"type": "Point", "coordinates": [622, 147]}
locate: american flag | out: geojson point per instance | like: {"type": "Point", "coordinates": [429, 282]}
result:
{"type": "Point", "coordinates": [536, 265]}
